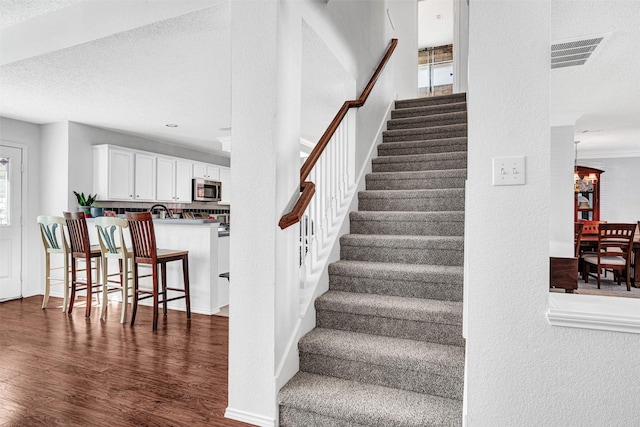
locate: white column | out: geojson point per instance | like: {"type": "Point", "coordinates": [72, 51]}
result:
{"type": "Point", "coordinates": [264, 175]}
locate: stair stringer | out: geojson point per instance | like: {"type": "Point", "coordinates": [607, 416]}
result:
{"type": "Point", "coordinates": [318, 281]}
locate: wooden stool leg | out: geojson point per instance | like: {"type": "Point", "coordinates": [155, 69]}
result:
{"type": "Point", "coordinates": [163, 268]}
{"type": "Point", "coordinates": [105, 274]}
{"type": "Point", "coordinates": [72, 298]}
{"type": "Point", "coordinates": [185, 277]}
{"type": "Point", "coordinates": [65, 282]}
{"type": "Point", "coordinates": [124, 282]}
{"type": "Point", "coordinates": [47, 280]}
{"type": "Point", "coordinates": [87, 310]}
{"type": "Point", "coordinates": [134, 305]}
{"type": "Point", "coordinates": [155, 298]}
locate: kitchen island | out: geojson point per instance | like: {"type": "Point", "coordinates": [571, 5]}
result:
{"type": "Point", "coordinates": [208, 257]}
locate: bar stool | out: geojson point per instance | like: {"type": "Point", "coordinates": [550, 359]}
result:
{"type": "Point", "coordinates": [145, 252]}
{"type": "Point", "coordinates": [55, 242]}
{"type": "Point", "coordinates": [81, 250]}
{"type": "Point", "coordinates": [113, 247]}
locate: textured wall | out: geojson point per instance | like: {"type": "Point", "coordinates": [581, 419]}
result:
{"type": "Point", "coordinates": [520, 370]}
{"type": "Point", "coordinates": [619, 198]}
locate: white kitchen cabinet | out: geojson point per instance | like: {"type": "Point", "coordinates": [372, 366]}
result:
{"type": "Point", "coordinates": [113, 173]}
{"type": "Point", "coordinates": [122, 174]}
{"type": "Point", "coordinates": [206, 171]}
{"type": "Point", "coordinates": [173, 180]}
{"type": "Point", "coordinates": [145, 177]}
{"type": "Point", "coordinates": [225, 178]}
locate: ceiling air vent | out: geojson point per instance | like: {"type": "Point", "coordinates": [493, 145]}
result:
{"type": "Point", "coordinates": [572, 53]}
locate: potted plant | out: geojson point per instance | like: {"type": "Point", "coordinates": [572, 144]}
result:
{"type": "Point", "coordinates": [85, 204]}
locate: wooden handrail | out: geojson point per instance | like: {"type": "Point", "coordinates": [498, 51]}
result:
{"type": "Point", "coordinates": [307, 188]}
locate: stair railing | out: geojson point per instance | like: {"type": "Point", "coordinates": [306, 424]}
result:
{"type": "Point", "coordinates": [308, 188]}
{"type": "Point", "coordinates": [329, 172]}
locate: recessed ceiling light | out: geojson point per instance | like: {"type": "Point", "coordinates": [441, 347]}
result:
{"type": "Point", "coordinates": [171, 125]}
{"type": "Point", "coordinates": [225, 129]}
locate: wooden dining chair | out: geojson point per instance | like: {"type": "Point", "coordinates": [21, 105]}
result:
{"type": "Point", "coordinates": [81, 250]}
{"type": "Point", "coordinates": [114, 247]}
{"type": "Point", "coordinates": [54, 241]}
{"type": "Point", "coordinates": [145, 252]}
{"type": "Point", "coordinates": [614, 252]}
{"type": "Point", "coordinates": [577, 237]}
{"type": "Point", "coordinates": [590, 227]}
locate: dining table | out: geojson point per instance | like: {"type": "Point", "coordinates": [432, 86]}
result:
{"type": "Point", "coordinates": [590, 242]}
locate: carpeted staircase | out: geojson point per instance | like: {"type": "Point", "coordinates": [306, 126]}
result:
{"type": "Point", "coordinates": [388, 347]}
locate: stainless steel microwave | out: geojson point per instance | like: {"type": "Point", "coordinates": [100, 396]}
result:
{"type": "Point", "coordinates": [205, 190]}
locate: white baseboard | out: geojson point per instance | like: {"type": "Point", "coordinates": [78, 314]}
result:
{"type": "Point", "coordinates": [249, 418]}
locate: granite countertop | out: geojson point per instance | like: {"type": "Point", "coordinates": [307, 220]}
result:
{"type": "Point", "coordinates": [185, 221]}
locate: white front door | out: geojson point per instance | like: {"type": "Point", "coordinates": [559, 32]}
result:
{"type": "Point", "coordinates": [10, 222]}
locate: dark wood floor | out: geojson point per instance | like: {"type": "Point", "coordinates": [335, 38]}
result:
{"type": "Point", "coordinates": [72, 371]}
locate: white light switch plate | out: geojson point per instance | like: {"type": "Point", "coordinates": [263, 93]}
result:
{"type": "Point", "coordinates": [509, 170]}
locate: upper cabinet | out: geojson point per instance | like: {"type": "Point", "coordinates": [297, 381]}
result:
{"type": "Point", "coordinates": [121, 174]}
{"type": "Point", "coordinates": [225, 178]}
{"type": "Point", "coordinates": [206, 171]}
{"type": "Point", "coordinates": [144, 182]}
{"type": "Point", "coordinates": [173, 180]}
{"type": "Point", "coordinates": [113, 173]}
{"type": "Point", "coordinates": [587, 194]}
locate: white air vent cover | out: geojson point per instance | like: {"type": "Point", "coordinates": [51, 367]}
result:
{"type": "Point", "coordinates": [574, 52]}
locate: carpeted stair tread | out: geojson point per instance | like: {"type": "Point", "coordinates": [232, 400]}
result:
{"type": "Point", "coordinates": [426, 133]}
{"type": "Point", "coordinates": [401, 148]}
{"type": "Point", "coordinates": [428, 110]}
{"type": "Point", "coordinates": [403, 194]}
{"type": "Point", "coordinates": [433, 100]}
{"type": "Point", "coordinates": [443, 223]}
{"type": "Point", "coordinates": [420, 162]}
{"type": "Point", "coordinates": [451, 274]}
{"type": "Point", "coordinates": [419, 366]}
{"type": "Point", "coordinates": [450, 199]}
{"type": "Point", "coordinates": [318, 400]}
{"type": "Point", "coordinates": [392, 307]}
{"type": "Point", "coordinates": [443, 282]}
{"type": "Point", "coordinates": [378, 350]}
{"type": "Point", "coordinates": [437, 250]}
{"type": "Point", "coordinates": [442, 119]}
{"type": "Point", "coordinates": [413, 180]}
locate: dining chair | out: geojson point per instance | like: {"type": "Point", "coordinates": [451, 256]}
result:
{"type": "Point", "coordinates": [614, 252]}
{"type": "Point", "coordinates": [577, 237]}
{"type": "Point", "coordinates": [54, 241]}
{"type": "Point", "coordinates": [591, 227]}
{"type": "Point", "coordinates": [145, 252]}
{"type": "Point", "coordinates": [81, 250]}
{"type": "Point", "coordinates": [113, 247]}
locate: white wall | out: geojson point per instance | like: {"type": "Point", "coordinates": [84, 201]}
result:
{"type": "Point", "coordinates": [54, 157]}
{"type": "Point", "coordinates": [520, 370]}
{"type": "Point", "coordinates": [27, 136]}
{"type": "Point", "coordinates": [561, 192]}
{"type": "Point", "coordinates": [619, 193]}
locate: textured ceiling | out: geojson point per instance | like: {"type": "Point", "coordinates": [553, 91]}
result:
{"type": "Point", "coordinates": [606, 90]}
{"type": "Point", "coordinates": [176, 70]}
{"type": "Point", "coordinates": [16, 11]}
